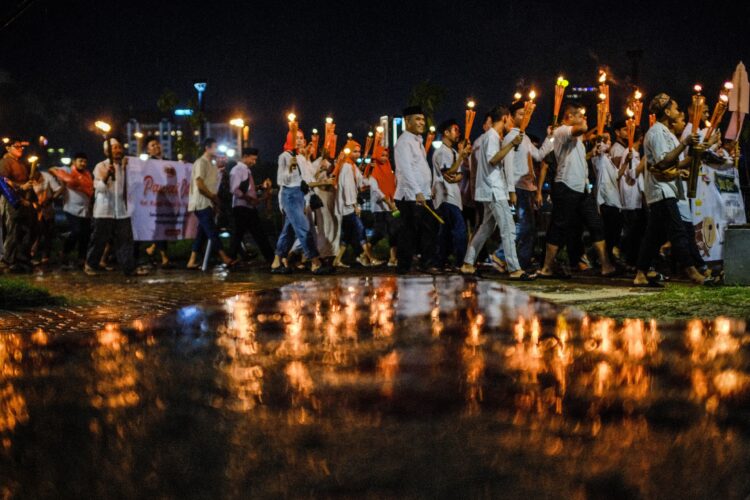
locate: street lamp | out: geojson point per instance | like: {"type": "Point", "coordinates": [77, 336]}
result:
{"type": "Point", "coordinates": [138, 144]}
{"type": "Point", "coordinates": [239, 123]}
{"type": "Point", "coordinates": [200, 87]}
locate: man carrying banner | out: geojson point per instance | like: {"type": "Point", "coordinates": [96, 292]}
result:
{"type": "Point", "coordinates": [111, 217]}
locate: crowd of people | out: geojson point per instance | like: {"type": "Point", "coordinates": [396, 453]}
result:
{"type": "Point", "coordinates": [618, 201]}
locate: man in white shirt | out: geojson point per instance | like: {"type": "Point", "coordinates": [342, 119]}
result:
{"type": "Point", "coordinates": [111, 217]}
{"type": "Point", "coordinates": [496, 190]}
{"type": "Point", "coordinates": [573, 201]}
{"type": "Point", "coordinates": [244, 206]}
{"type": "Point", "coordinates": [47, 189]}
{"type": "Point", "coordinates": [204, 201]}
{"type": "Point", "coordinates": [78, 191]}
{"type": "Point", "coordinates": [155, 152]}
{"type": "Point", "coordinates": [634, 213]}
{"type": "Point", "coordinates": [663, 187]}
{"type": "Point", "coordinates": [521, 160]}
{"type": "Point", "coordinates": [608, 193]}
{"type": "Point", "coordinates": [446, 162]}
{"type": "Point", "coordinates": [414, 195]}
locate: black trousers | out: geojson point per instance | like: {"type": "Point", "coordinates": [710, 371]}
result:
{"type": "Point", "coordinates": [18, 233]}
{"type": "Point", "coordinates": [80, 229]}
{"type": "Point", "coordinates": [634, 227]}
{"type": "Point", "coordinates": [664, 220]}
{"type": "Point", "coordinates": [246, 219]}
{"type": "Point", "coordinates": [418, 233]}
{"type": "Point", "coordinates": [120, 233]}
{"type": "Point", "coordinates": [612, 221]}
{"type": "Point", "coordinates": [385, 226]}
{"type": "Point", "coordinates": [569, 207]}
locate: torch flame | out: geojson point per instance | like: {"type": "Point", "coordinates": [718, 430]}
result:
{"type": "Point", "coordinates": [724, 97]}
{"type": "Point", "coordinates": [517, 96]}
{"type": "Point", "coordinates": [329, 120]}
{"type": "Point", "coordinates": [602, 77]}
{"type": "Point", "coordinates": [432, 130]}
{"type": "Point", "coordinates": [369, 134]}
{"type": "Point", "coordinates": [470, 104]}
{"type": "Point", "coordinates": [103, 126]}
{"type": "Point", "coordinates": [532, 95]}
{"type": "Point", "coordinates": [728, 85]}
{"type": "Point", "coordinates": [629, 112]}
{"type": "Point", "coordinates": [291, 117]}
{"type": "Point", "coordinates": [638, 94]}
{"type": "Point", "coordinates": [314, 131]}
{"type": "Point", "coordinates": [698, 88]}
{"type": "Point", "coordinates": [380, 130]}
{"type": "Point", "coordinates": [603, 96]}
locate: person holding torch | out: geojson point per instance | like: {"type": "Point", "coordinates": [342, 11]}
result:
{"type": "Point", "coordinates": [573, 201]}
{"type": "Point", "coordinates": [663, 187]}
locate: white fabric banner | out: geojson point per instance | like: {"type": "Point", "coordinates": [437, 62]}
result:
{"type": "Point", "coordinates": [718, 204]}
{"type": "Point", "coordinates": [158, 195]}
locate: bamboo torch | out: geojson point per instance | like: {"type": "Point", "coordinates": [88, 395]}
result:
{"type": "Point", "coordinates": [559, 93]}
{"type": "Point", "coordinates": [697, 150]}
{"type": "Point", "coordinates": [470, 114]}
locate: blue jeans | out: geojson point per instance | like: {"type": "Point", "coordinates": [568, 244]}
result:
{"type": "Point", "coordinates": [296, 225]}
{"type": "Point", "coordinates": [353, 232]}
{"type": "Point", "coordinates": [452, 234]}
{"type": "Point", "coordinates": [525, 226]}
{"type": "Point", "coordinates": [206, 230]}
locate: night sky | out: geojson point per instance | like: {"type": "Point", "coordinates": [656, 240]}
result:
{"type": "Point", "coordinates": [64, 64]}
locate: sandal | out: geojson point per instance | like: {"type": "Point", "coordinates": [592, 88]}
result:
{"type": "Point", "coordinates": [523, 277]}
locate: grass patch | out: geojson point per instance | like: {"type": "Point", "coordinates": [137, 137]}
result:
{"type": "Point", "coordinates": [676, 302]}
{"type": "Point", "coordinates": [17, 294]}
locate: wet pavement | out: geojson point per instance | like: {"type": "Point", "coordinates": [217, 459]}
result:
{"type": "Point", "coordinates": [349, 387]}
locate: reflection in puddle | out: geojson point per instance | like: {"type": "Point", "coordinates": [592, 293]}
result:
{"type": "Point", "coordinates": [312, 380]}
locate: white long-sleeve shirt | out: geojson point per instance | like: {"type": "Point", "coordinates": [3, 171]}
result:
{"type": "Point", "coordinates": [75, 202]}
{"type": "Point", "coordinates": [607, 189]}
{"type": "Point", "coordinates": [493, 181]}
{"type": "Point", "coordinates": [377, 198]}
{"type": "Point", "coordinates": [631, 184]}
{"type": "Point", "coordinates": [570, 153]}
{"type": "Point", "coordinates": [346, 195]}
{"type": "Point", "coordinates": [413, 175]}
{"type": "Point", "coordinates": [519, 160]}
{"type": "Point", "coordinates": [109, 196]}
{"type": "Point", "coordinates": [445, 192]}
{"type": "Point", "coordinates": [239, 174]}
{"type": "Point", "coordinates": [284, 176]}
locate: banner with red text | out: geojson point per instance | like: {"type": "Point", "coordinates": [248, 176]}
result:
{"type": "Point", "coordinates": [158, 195]}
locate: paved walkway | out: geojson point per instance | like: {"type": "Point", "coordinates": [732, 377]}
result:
{"type": "Point", "coordinates": [111, 298]}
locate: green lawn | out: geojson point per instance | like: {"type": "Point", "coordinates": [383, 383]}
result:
{"type": "Point", "coordinates": [676, 301]}
{"type": "Point", "coordinates": [17, 294]}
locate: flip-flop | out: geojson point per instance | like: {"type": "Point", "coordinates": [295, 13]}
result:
{"type": "Point", "coordinates": [523, 277]}
{"type": "Point", "coordinates": [710, 282]}
{"type": "Point", "coordinates": [554, 276]}
{"type": "Point", "coordinates": [649, 284]}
